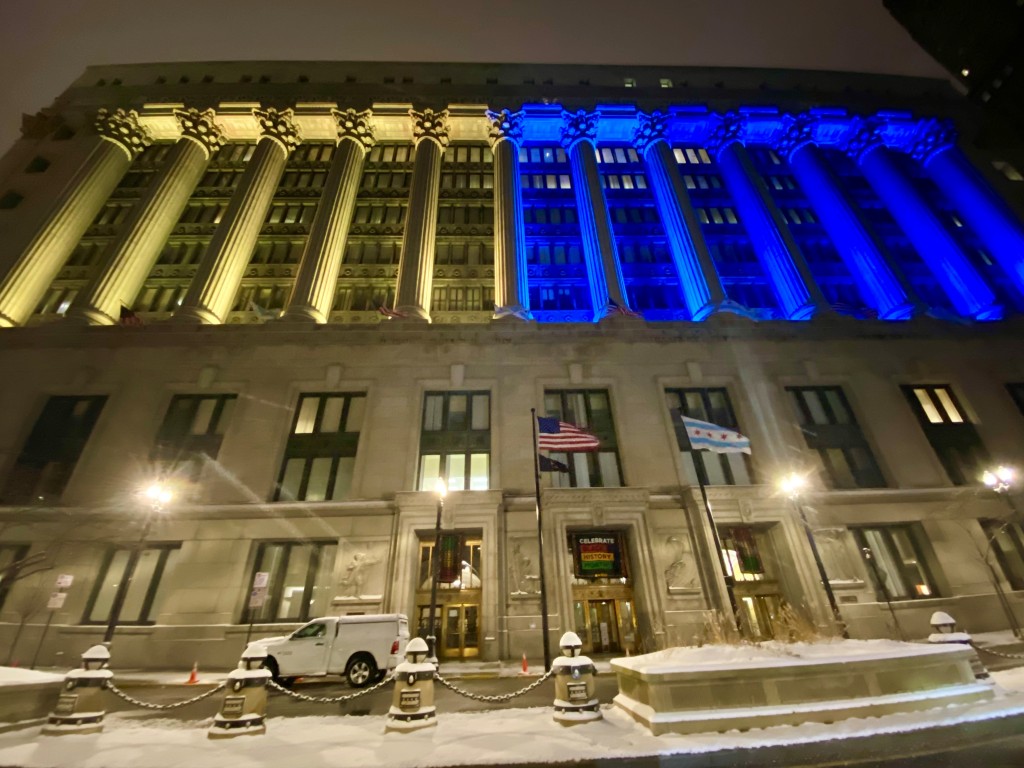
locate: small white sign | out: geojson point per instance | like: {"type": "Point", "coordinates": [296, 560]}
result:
{"type": "Point", "coordinates": [262, 579]}
{"type": "Point", "coordinates": [258, 597]}
{"type": "Point", "coordinates": [56, 600]}
{"type": "Point", "coordinates": [65, 580]}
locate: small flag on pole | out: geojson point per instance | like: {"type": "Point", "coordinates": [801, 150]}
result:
{"type": "Point", "coordinates": [515, 311]}
{"type": "Point", "coordinates": [390, 313]}
{"type": "Point", "coordinates": [551, 465]}
{"type": "Point", "coordinates": [614, 308]}
{"type": "Point", "coordinates": [705, 436]}
{"type": "Point", "coordinates": [129, 318]}
{"type": "Point", "coordinates": [555, 435]}
{"type": "Point", "coordinates": [262, 312]}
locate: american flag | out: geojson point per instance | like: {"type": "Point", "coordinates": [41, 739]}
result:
{"type": "Point", "coordinates": [129, 318]}
{"type": "Point", "coordinates": [614, 308]}
{"type": "Point", "coordinates": [555, 435]}
{"type": "Point", "coordinates": [390, 313]}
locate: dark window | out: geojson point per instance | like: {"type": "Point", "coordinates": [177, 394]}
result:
{"type": "Point", "coordinates": [12, 557]}
{"type": "Point", "coordinates": [48, 457]}
{"type": "Point", "coordinates": [192, 432]}
{"type": "Point", "coordinates": [953, 438]}
{"type": "Point", "coordinates": [298, 578]}
{"type": "Point", "coordinates": [144, 592]}
{"type": "Point", "coordinates": [63, 133]}
{"type": "Point", "coordinates": [321, 451]}
{"type": "Point", "coordinates": [455, 442]}
{"type": "Point", "coordinates": [707, 405]}
{"type": "Point", "coordinates": [38, 165]}
{"type": "Point", "coordinates": [830, 428]}
{"type": "Point", "coordinates": [1006, 540]}
{"type": "Point", "coordinates": [895, 561]}
{"type": "Point", "coordinates": [1017, 393]}
{"type": "Point", "coordinates": [589, 410]}
{"type": "Point", "coordinates": [10, 199]}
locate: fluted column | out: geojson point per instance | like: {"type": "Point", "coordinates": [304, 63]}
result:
{"type": "Point", "coordinates": [416, 268]}
{"type": "Point", "coordinates": [965, 287]}
{"type": "Point", "coordinates": [511, 284]}
{"type": "Point", "coordinates": [699, 281]}
{"type": "Point", "coordinates": [869, 265]}
{"type": "Point", "coordinates": [317, 280]}
{"type": "Point", "coordinates": [215, 284]}
{"type": "Point", "coordinates": [798, 294]}
{"type": "Point", "coordinates": [579, 137]}
{"type": "Point", "coordinates": [121, 139]}
{"type": "Point", "coordinates": [983, 210]}
{"type": "Point", "coordinates": [130, 257]}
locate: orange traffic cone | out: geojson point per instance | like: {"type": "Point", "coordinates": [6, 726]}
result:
{"type": "Point", "coordinates": [194, 677]}
{"type": "Point", "coordinates": [526, 667]}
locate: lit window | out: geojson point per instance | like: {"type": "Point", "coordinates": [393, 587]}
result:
{"type": "Point", "coordinates": [145, 592]}
{"type": "Point", "coordinates": [894, 556]}
{"type": "Point", "coordinates": [321, 451]}
{"type": "Point", "coordinates": [455, 441]}
{"type": "Point", "coordinates": [298, 578]}
{"type": "Point", "coordinates": [629, 82]}
{"type": "Point", "coordinates": [954, 439]}
{"type": "Point", "coordinates": [665, 82]}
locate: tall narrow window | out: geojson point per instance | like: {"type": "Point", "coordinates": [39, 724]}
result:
{"type": "Point", "coordinates": [590, 410]}
{"type": "Point", "coordinates": [1006, 541]}
{"type": "Point", "coordinates": [191, 433]}
{"type": "Point", "coordinates": [455, 442]}
{"type": "Point", "coordinates": [710, 405]}
{"type": "Point", "coordinates": [830, 428]}
{"type": "Point", "coordinates": [321, 451]}
{"type": "Point", "coordinates": [298, 578]}
{"type": "Point", "coordinates": [954, 439]}
{"type": "Point", "coordinates": [48, 457]}
{"type": "Point", "coordinates": [896, 566]}
{"type": "Point", "coordinates": [156, 563]}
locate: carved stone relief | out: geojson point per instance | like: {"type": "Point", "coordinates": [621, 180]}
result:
{"type": "Point", "coordinates": [523, 574]}
{"type": "Point", "coordinates": [681, 574]}
{"type": "Point", "coordinates": [361, 571]}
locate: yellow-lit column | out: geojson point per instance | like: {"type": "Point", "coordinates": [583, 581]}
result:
{"type": "Point", "coordinates": [130, 257]}
{"type": "Point", "coordinates": [317, 280]}
{"type": "Point", "coordinates": [511, 289]}
{"type": "Point", "coordinates": [416, 268]}
{"type": "Point", "coordinates": [121, 139]}
{"type": "Point", "coordinates": [220, 271]}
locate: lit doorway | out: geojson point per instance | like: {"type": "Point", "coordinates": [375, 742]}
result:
{"type": "Point", "coordinates": [458, 615]}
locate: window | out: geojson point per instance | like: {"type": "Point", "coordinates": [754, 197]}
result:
{"type": "Point", "coordinates": [707, 405]}
{"type": "Point", "coordinates": [895, 561]}
{"type": "Point", "coordinates": [742, 553]}
{"type": "Point", "coordinates": [38, 165]}
{"type": "Point", "coordinates": [300, 581]}
{"type": "Point", "coordinates": [321, 451]}
{"type": "Point", "coordinates": [1017, 393]}
{"type": "Point", "coordinates": [192, 432]}
{"type": "Point", "coordinates": [629, 82]}
{"type": "Point", "coordinates": [953, 438]}
{"type": "Point", "coordinates": [48, 457]}
{"type": "Point", "coordinates": [11, 560]}
{"type": "Point", "coordinates": [145, 591]}
{"type": "Point", "coordinates": [590, 410]}
{"type": "Point", "coordinates": [1003, 538]}
{"type": "Point", "coordinates": [1007, 170]}
{"type": "Point", "coordinates": [469, 578]}
{"type": "Point", "coordinates": [10, 199]}
{"type": "Point", "coordinates": [830, 428]}
{"type": "Point", "coordinates": [455, 441]}
{"type": "Point", "coordinates": [664, 82]}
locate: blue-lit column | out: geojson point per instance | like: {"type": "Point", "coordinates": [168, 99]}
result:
{"type": "Point", "coordinates": [579, 137]}
{"type": "Point", "coordinates": [698, 279]}
{"type": "Point", "coordinates": [798, 294]}
{"type": "Point", "coordinates": [511, 287]}
{"type": "Point", "coordinates": [969, 293]}
{"type": "Point", "coordinates": [416, 266]}
{"type": "Point", "coordinates": [865, 257]}
{"type": "Point", "coordinates": [993, 223]}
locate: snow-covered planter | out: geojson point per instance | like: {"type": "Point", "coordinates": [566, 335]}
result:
{"type": "Point", "coordinates": [726, 687]}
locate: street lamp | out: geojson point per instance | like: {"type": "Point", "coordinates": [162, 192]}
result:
{"type": "Point", "coordinates": [155, 497]}
{"type": "Point", "coordinates": [442, 490]}
{"type": "Point", "coordinates": [1002, 480]}
{"type": "Point", "coordinates": [793, 485]}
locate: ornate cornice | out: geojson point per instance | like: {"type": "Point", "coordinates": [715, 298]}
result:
{"type": "Point", "coordinates": [199, 126]}
{"type": "Point", "coordinates": [729, 130]}
{"type": "Point", "coordinates": [279, 125]}
{"type": "Point", "coordinates": [431, 125]}
{"type": "Point", "coordinates": [650, 128]}
{"type": "Point", "coordinates": [355, 126]}
{"type": "Point", "coordinates": [579, 126]}
{"type": "Point", "coordinates": [864, 135]}
{"type": "Point", "coordinates": [797, 131]}
{"type": "Point", "coordinates": [505, 126]}
{"type": "Point", "coordinates": [123, 128]}
{"type": "Point", "coordinates": [932, 136]}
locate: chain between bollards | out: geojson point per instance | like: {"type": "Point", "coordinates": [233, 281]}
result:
{"type": "Point", "coordinates": [502, 697]}
{"type": "Point", "coordinates": [330, 699]}
{"type": "Point", "coordinates": [997, 653]}
{"type": "Point", "coordinates": [145, 704]}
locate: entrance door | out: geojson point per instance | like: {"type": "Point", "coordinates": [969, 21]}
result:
{"type": "Point", "coordinates": [458, 629]}
{"type": "Point", "coordinates": [758, 613]}
{"type": "Point", "coordinates": [605, 625]}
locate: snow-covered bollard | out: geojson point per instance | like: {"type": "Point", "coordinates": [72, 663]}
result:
{"type": "Point", "coordinates": [79, 708]}
{"type": "Point", "coordinates": [944, 627]}
{"type": "Point", "coordinates": [244, 709]}
{"type": "Point", "coordinates": [412, 705]}
{"type": "Point", "coordinates": [575, 686]}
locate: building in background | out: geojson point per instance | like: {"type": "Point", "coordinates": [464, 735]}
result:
{"type": "Point", "coordinates": [299, 294]}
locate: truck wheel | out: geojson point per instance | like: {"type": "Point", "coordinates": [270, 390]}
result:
{"type": "Point", "coordinates": [361, 670]}
{"type": "Point", "coordinates": [270, 664]}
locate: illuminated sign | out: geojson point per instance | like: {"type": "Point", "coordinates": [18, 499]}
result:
{"type": "Point", "coordinates": [597, 555]}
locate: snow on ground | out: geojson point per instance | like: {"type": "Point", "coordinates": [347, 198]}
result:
{"type": "Point", "coordinates": [506, 736]}
{"type": "Point", "coordinates": [19, 676]}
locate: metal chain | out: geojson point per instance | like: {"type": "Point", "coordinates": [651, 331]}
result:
{"type": "Point", "coordinates": [998, 653]}
{"type": "Point", "coordinates": [502, 697]}
{"type": "Point", "coordinates": [132, 700]}
{"type": "Point", "coordinates": [329, 699]}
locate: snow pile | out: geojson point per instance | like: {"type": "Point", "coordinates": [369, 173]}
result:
{"type": "Point", "coordinates": [19, 676]}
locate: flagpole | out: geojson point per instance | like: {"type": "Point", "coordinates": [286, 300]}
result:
{"type": "Point", "coordinates": [540, 546]}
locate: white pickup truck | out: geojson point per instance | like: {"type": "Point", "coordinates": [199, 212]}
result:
{"type": "Point", "coordinates": [361, 648]}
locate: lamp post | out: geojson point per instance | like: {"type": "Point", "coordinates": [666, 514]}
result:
{"type": "Point", "coordinates": [155, 497]}
{"type": "Point", "coordinates": [792, 485]}
{"type": "Point", "coordinates": [442, 490]}
{"type": "Point", "coordinates": [1001, 479]}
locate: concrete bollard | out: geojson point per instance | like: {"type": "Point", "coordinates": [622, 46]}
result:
{"type": "Point", "coordinates": [244, 710]}
{"type": "Point", "coordinates": [575, 685]}
{"type": "Point", "coordinates": [79, 708]}
{"type": "Point", "coordinates": [412, 704]}
{"type": "Point", "coordinates": [944, 627]}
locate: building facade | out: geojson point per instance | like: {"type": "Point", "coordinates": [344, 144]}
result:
{"type": "Point", "coordinates": [299, 294]}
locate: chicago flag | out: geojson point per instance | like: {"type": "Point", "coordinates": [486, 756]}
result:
{"type": "Point", "coordinates": [705, 436]}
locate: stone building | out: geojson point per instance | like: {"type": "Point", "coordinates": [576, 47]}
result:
{"type": "Point", "coordinates": [298, 294]}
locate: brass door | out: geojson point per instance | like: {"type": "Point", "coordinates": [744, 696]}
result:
{"type": "Point", "coordinates": [605, 626]}
{"type": "Point", "coordinates": [460, 632]}
{"type": "Point", "coordinates": [758, 614]}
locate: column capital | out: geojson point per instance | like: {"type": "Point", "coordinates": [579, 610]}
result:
{"type": "Point", "coordinates": [579, 126]}
{"type": "Point", "coordinates": [279, 125]}
{"type": "Point", "coordinates": [505, 126]}
{"type": "Point", "coordinates": [864, 135]}
{"type": "Point", "coordinates": [199, 126]}
{"type": "Point", "coordinates": [932, 136]}
{"type": "Point", "coordinates": [797, 132]}
{"type": "Point", "coordinates": [431, 125]}
{"type": "Point", "coordinates": [123, 128]}
{"type": "Point", "coordinates": [727, 130]}
{"type": "Point", "coordinates": [650, 129]}
{"type": "Point", "coordinates": [355, 126]}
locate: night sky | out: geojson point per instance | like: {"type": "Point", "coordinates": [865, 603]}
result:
{"type": "Point", "coordinates": [45, 44]}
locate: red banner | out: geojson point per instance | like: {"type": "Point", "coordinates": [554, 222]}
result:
{"type": "Point", "coordinates": [450, 558]}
